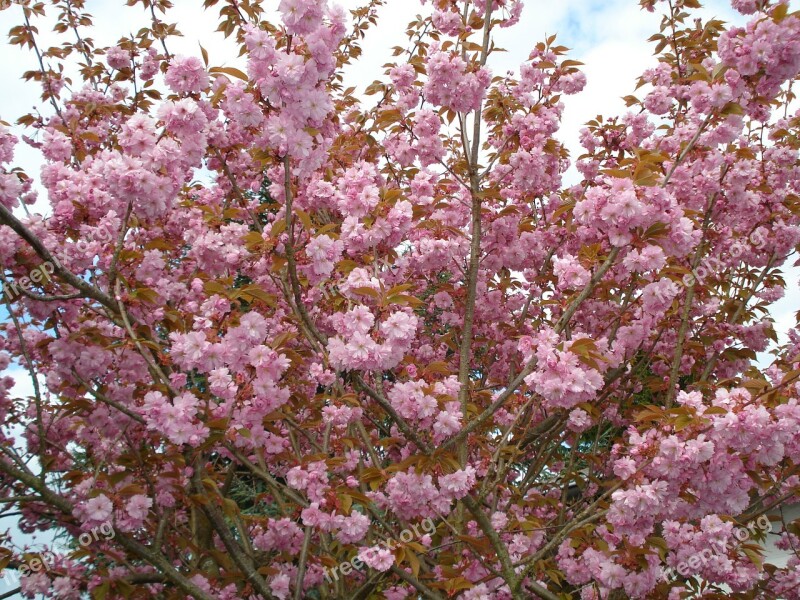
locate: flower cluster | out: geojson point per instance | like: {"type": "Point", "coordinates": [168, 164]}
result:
{"type": "Point", "coordinates": [451, 85]}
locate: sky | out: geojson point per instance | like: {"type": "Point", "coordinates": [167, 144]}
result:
{"type": "Point", "coordinates": [608, 36]}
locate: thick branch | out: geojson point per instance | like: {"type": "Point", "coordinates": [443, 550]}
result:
{"type": "Point", "coordinates": [531, 365]}
{"type": "Point", "coordinates": [87, 290]}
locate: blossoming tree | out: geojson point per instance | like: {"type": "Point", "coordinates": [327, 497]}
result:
{"type": "Point", "coordinates": [279, 324]}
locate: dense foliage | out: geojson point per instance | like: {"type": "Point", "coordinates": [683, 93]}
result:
{"type": "Point", "coordinates": [292, 341]}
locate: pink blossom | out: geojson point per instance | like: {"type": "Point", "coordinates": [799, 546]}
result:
{"type": "Point", "coordinates": [377, 558]}
{"type": "Point", "coordinates": [98, 509]}
{"type": "Point", "coordinates": [118, 58]}
{"type": "Point", "coordinates": [279, 585]}
{"type": "Point", "coordinates": [301, 17]}
{"type": "Point", "coordinates": [570, 273]}
{"type": "Point", "coordinates": [457, 485]}
{"type": "Point", "coordinates": [353, 528]}
{"type": "Point", "coordinates": [138, 506]}
{"type": "Point", "coordinates": [186, 75]}
{"type": "Point", "coordinates": [451, 85]}
{"type": "Point", "coordinates": [579, 420]}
